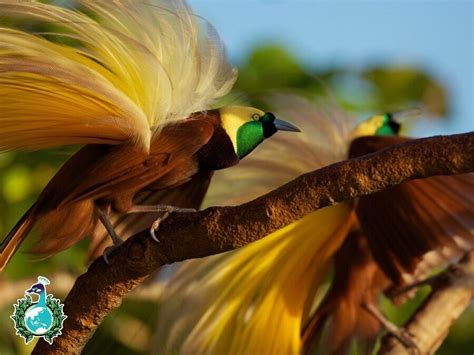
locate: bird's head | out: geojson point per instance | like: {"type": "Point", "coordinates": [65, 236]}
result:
{"type": "Point", "coordinates": [388, 124]}
{"type": "Point", "coordinates": [36, 288]}
{"type": "Point", "coordinates": [378, 125]}
{"type": "Point", "coordinates": [247, 127]}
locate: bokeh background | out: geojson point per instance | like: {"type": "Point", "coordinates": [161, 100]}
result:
{"type": "Point", "coordinates": [369, 56]}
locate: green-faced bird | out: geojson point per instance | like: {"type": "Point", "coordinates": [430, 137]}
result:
{"type": "Point", "coordinates": [134, 87]}
{"type": "Point", "coordinates": [265, 298]}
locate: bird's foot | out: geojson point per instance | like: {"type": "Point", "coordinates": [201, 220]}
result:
{"type": "Point", "coordinates": [401, 334]}
{"type": "Point", "coordinates": [110, 249]}
{"type": "Point", "coordinates": [167, 210]}
{"type": "Point", "coordinates": [406, 339]}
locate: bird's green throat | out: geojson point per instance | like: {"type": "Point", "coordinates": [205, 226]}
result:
{"type": "Point", "coordinates": [389, 127]}
{"type": "Point", "coordinates": [252, 133]}
{"type": "Point", "coordinates": [249, 136]}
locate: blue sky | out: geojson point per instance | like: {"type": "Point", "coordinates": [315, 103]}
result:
{"type": "Point", "coordinates": [436, 35]}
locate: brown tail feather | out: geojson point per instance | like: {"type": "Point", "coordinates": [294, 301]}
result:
{"type": "Point", "coordinates": [17, 235]}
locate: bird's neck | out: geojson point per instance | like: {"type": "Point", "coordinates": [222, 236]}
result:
{"type": "Point", "coordinates": [42, 298]}
{"type": "Point", "coordinates": [219, 152]}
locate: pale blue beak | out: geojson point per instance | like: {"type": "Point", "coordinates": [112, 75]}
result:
{"type": "Point", "coordinates": [285, 126]}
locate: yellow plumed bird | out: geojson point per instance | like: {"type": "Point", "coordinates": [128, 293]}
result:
{"type": "Point", "coordinates": [134, 83]}
{"type": "Point", "coordinates": [265, 298]}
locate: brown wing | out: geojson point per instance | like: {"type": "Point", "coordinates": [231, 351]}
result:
{"type": "Point", "coordinates": [418, 225]}
{"type": "Point", "coordinates": [341, 316]}
{"type": "Point", "coordinates": [187, 195]}
{"type": "Point", "coordinates": [123, 169]}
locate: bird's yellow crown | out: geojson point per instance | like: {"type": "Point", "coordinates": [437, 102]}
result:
{"type": "Point", "coordinates": [370, 126]}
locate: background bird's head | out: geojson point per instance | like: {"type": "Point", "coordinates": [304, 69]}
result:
{"type": "Point", "coordinates": [247, 127]}
{"type": "Point", "coordinates": [378, 125]}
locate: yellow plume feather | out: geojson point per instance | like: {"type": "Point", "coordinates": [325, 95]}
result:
{"type": "Point", "coordinates": [135, 66]}
{"type": "Point", "coordinates": [255, 300]}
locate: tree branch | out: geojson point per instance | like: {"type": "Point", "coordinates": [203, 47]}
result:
{"type": "Point", "coordinates": [430, 324]}
{"type": "Point", "coordinates": [218, 229]}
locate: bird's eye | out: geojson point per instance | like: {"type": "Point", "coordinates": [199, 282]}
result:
{"type": "Point", "coordinates": [255, 116]}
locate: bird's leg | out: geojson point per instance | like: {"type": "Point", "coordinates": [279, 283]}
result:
{"type": "Point", "coordinates": [401, 334]}
{"type": "Point", "coordinates": [113, 235]}
{"type": "Point", "coordinates": [396, 292]}
{"type": "Point", "coordinates": [450, 272]}
{"type": "Point", "coordinates": [158, 208]}
{"type": "Point", "coordinates": [164, 209]}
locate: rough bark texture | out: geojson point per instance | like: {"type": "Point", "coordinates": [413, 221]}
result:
{"type": "Point", "coordinates": [428, 327]}
{"type": "Point", "coordinates": [218, 229]}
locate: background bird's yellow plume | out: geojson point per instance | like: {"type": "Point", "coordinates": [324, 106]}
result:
{"type": "Point", "coordinates": [255, 300]}
{"type": "Point", "coordinates": [133, 65]}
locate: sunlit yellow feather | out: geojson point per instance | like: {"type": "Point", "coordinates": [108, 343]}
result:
{"type": "Point", "coordinates": [133, 65]}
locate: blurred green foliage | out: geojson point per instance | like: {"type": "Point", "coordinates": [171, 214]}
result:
{"type": "Point", "coordinates": [128, 329]}
{"type": "Point", "coordinates": [371, 89]}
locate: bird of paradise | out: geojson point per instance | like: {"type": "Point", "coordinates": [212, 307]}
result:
{"type": "Point", "coordinates": [139, 84]}
{"type": "Point", "coordinates": [266, 297]}
{"type": "Point", "coordinates": [132, 82]}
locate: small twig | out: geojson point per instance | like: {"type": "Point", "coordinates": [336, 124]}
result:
{"type": "Point", "coordinates": [429, 281]}
{"type": "Point", "coordinates": [399, 333]}
{"type": "Point", "coordinates": [430, 324]}
{"type": "Point", "coordinates": [396, 292]}
{"type": "Point", "coordinates": [191, 235]}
